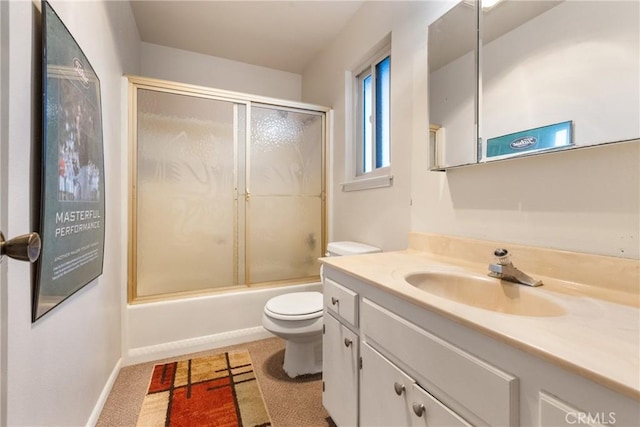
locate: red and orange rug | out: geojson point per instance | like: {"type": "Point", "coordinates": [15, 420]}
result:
{"type": "Point", "coordinates": [218, 390]}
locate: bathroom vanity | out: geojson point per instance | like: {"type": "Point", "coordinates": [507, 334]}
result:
{"type": "Point", "coordinates": [399, 353]}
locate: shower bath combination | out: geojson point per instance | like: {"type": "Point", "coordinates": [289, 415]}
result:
{"type": "Point", "coordinates": [236, 186]}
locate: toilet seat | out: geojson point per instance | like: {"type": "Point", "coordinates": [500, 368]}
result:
{"type": "Point", "coordinates": [295, 306]}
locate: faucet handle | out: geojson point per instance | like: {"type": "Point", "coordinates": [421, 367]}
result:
{"type": "Point", "coordinates": [503, 257]}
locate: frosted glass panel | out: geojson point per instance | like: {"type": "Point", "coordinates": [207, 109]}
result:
{"type": "Point", "coordinates": [286, 152]}
{"type": "Point", "coordinates": [196, 229]}
{"type": "Point", "coordinates": [186, 193]}
{"type": "Point", "coordinates": [285, 236]}
{"type": "Point", "coordinates": [285, 207]}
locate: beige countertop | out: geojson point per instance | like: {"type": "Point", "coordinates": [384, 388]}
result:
{"type": "Point", "coordinates": [598, 338]}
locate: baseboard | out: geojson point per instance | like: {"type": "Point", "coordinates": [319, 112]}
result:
{"type": "Point", "coordinates": [193, 345]}
{"type": "Point", "coordinates": [97, 410]}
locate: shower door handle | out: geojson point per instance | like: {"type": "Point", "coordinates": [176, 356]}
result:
{"type": "Point", "coordinates": [23, 248]}
{"type": "Point", "coordinates": [247, 195]}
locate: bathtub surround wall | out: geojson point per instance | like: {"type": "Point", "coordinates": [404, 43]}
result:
{"type": "Point", "coordinates": [58, 370]}
{"type": "Point", "coordinates": [584, 200]}
{"type": "Point", "coordinates": [170, 328]}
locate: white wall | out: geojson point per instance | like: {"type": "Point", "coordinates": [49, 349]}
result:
{"type": "Point", "coordinates": [583, 200]}
{"type": "Point", "coordinates": [57, 368]}
{"type": "Point", "coordinates": [381, 216]}
{"type": "Point", "coordinates": [188, 67]}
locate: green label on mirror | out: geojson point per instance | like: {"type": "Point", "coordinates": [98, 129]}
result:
{"type": "Point", "coordinates": [533, 140]}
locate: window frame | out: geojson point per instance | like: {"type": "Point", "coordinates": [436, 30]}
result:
{"type": "Point", "coordinates": [376, 176]}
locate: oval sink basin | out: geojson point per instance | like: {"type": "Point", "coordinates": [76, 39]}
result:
{"type": "Point", "coordinates": [486, 293]}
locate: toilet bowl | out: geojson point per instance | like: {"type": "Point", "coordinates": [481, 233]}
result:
{"type": "Point", "coordinates": [297, 318]}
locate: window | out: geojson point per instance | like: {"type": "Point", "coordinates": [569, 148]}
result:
{"type": "Point", "coordinates": [372, 114]}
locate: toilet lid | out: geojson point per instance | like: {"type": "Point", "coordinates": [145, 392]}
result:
{"type": "Point", "coordinates": [296, 304]}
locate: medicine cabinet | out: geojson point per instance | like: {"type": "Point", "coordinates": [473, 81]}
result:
{"type": "Point", "coordinates": [525, 77]}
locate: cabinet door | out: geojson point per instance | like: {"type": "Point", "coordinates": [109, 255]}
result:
{"type": "Point", "coordinates": [428, 411]}
{"type": "Point", "coordinates": [390, 398]}
{"type": "Point", "coordinates": [383, 392]}
{"type": "Point", "coordinates": [340, 372]}
{"type": "Point", "coordinates": [555, 412]}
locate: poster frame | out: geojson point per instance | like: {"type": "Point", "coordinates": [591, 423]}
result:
{"type": "Point", "coordinates": [72, 194]}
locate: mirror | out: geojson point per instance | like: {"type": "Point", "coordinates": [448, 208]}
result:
{"type": "Point", "coordinates": [551, 75]}
{"type": "Point", "coordinates": [451, 45]}
{"type": "Point", "coordinates": [552, 62]}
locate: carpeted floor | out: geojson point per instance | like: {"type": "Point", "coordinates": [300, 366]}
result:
{"type": "Point", "coordinates": [290, 402]}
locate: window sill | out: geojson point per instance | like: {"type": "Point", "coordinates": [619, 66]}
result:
{"type": "Point", "coordinates": [368, 183]}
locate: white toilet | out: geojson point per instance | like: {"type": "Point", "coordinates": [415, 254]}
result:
{"type": "Point", "coordinates": [297, 318]}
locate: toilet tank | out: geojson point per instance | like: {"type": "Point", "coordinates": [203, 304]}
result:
{"type": "Point", "coordinates": [350, 248]}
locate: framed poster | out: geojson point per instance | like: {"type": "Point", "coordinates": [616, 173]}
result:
{"type": "Point", "coordinates": [72, 199]}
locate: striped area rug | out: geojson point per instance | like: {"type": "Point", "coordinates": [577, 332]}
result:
{"type": "Point", "coordinates": [218, 390]}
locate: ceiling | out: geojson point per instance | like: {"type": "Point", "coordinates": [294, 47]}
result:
{"type": "Point", "coordinates": [283, 35]}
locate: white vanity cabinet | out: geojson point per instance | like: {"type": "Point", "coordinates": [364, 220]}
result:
{"type": "Point", "coordinates": [390, 362]}
{"type": "Point", "coordinates": [361, 387]}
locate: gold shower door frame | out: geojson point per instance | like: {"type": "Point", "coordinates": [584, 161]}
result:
{"type": "Point", "coordinates": [242, 193]}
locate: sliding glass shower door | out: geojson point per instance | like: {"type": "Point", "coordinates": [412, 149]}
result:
{"type": "Point", "coordinates": [226, 193]}
{"type": "Point", "coordinates": [285, 200]}
{"type": "Point", "coordinates": [186, 192]}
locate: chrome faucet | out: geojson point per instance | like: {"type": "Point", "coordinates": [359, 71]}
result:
{"type": "Point", "coordinates": [504, 269]}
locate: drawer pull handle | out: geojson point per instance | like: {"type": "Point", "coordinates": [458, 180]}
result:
{"type": "Point", "coordinates": [334, 300]}
{"type": "Point", "coordinates": [399, 388]}
{"type": "Point", "coordinates": [418, 409]}
{"type": "Point", "coordinates": [347, 342]}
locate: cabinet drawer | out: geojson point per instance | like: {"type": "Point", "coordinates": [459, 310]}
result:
{"type": "Point", "coordinates": [481, 388]}
{"type": "Point", "coordinates": [341, 301]}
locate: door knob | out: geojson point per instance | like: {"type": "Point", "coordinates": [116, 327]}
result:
{"type": "Point", "coordinates": [23, 248]}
